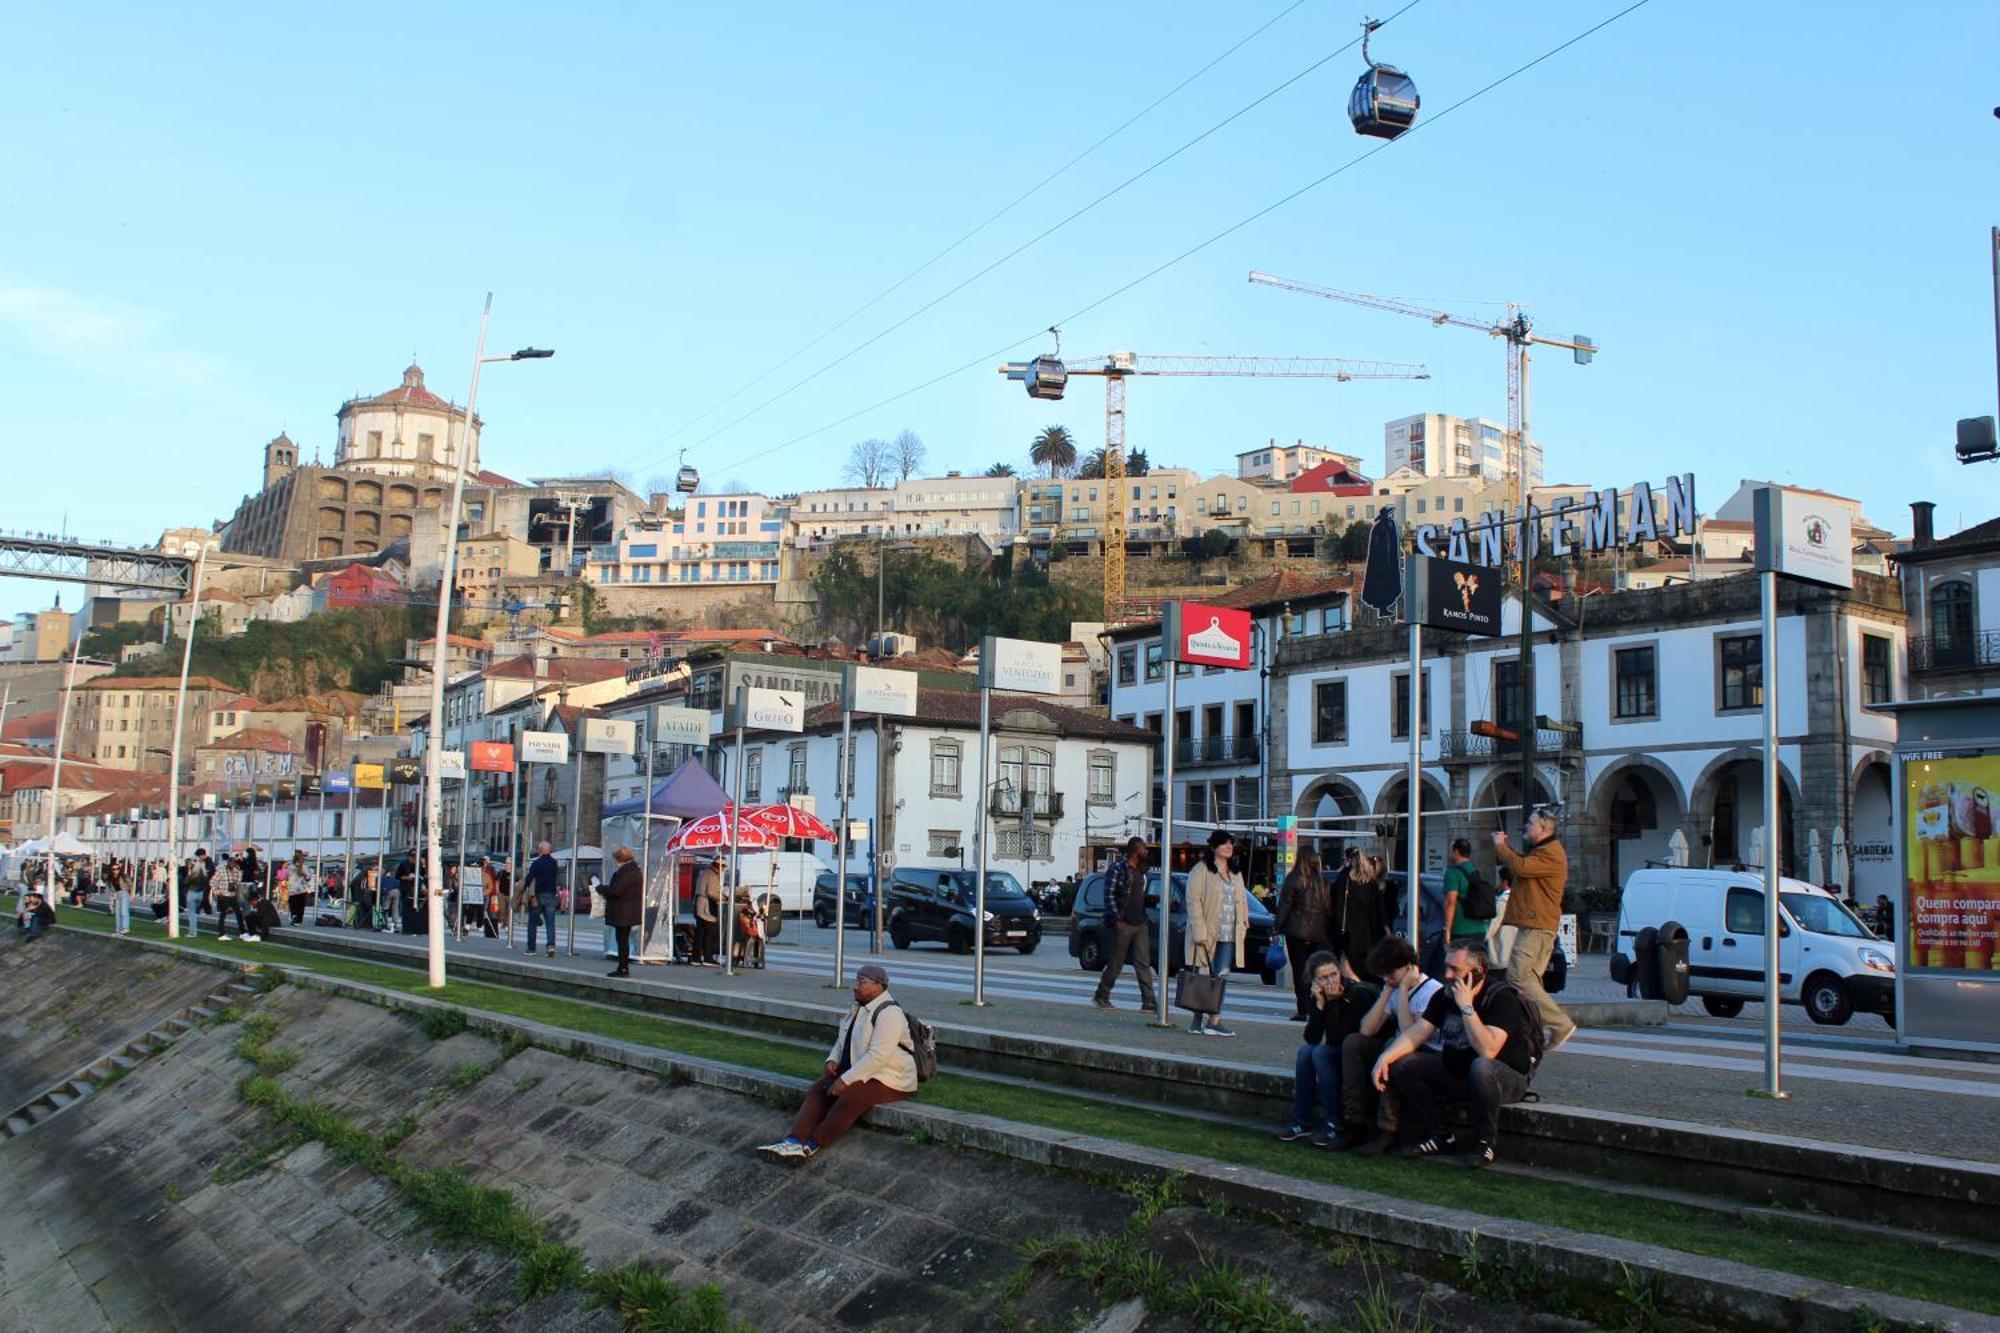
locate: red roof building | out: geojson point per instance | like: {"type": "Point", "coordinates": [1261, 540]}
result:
{"type": "Point", "coordinates": [1331, 478]}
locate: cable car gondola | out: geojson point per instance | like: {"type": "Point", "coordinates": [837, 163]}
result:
{"type": "Point", "coordinates": [1384, 102]}
{"type": "Point", "coordinates": [687, 481]}
{"type": "Point", "coordinates": [1046, 377]}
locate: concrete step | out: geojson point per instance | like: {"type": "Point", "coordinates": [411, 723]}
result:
{"type": "Point", "coordinates": [126, 1059]}
{"type": "Point", "coordinates": [202, 1012]}
{"type": "Point", "coordinates": [55, 1101]}
{"type": "Point", "coordinates": [79, 1087]}
{"type": "Point", "coordinates": [16, 1124]}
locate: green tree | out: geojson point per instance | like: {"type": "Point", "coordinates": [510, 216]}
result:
{"type": "Point", "coordinates": [1354, 541]}
{"type": "Point", "coordinates": [1213, 544]}
{"type": "Point", "coordinates": [1000, 470]}
{"type": "Point", "coordinates": [1137, 464]}
{"type": "Point", "coordinates": [1054, 449]}
{"type": "Point", "coordinates": [1092, 466]}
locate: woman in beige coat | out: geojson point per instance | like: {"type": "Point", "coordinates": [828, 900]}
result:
{"type": "Point", "coordinates": [1218, 919]}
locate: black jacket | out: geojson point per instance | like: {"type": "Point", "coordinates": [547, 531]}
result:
{"type": "Point", "coordinates": [1332, 1022]}
{"type": "Point", "coordinates": [1305, 908]}
{"type": "Point", "coordinates": [1360, 917]}
{"type": "Point", "coordinates": [624, 896]}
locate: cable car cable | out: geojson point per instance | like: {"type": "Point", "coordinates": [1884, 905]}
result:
{"type": "Point", "coordinates": [986, 357]}
{"type": "Point", "coordinates": [989, 220]}
{"type": "Point", "coordinates": [1052, 229]}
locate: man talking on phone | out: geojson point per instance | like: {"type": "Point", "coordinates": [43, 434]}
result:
{"type": "Point", "coordinates": [1488, 1056]}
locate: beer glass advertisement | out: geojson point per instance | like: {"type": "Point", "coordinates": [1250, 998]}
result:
{"type": "Point", "coordinates": [1951, 860]}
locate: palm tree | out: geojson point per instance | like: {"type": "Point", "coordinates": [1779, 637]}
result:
{"type": "Point", "coordinates": [1092, 466]}
{"type": "Point", "coordinates": [1054, 449]}
{"type": "Point", "coordinates": [1000, 470]}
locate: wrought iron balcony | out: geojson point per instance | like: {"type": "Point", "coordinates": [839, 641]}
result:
{"type": "Point", "coordinates": [1488, 742]}
{"type": "Point", "coordinates": [1005, 803]}
{"type": "Point", "coordinates": [1207, 751]}
{"type": "Point", "coordinates": [1949, 652]}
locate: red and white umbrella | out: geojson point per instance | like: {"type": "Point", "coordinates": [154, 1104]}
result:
{"type": "Point", "coordinates": [787, 821]}
{"type": "Point", "coordinates": [714, 832]}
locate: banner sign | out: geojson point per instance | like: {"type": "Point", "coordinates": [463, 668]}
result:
{"type": "Point", "coordinates": [880, 690]}
{"type": "Point", "coordinates": [312, 784]}
{"type": "Point", "coordinates": [337, 781]}
{"type": "Point", "coordinates": [370, 777]}
{"type": "Point", "coordinates": [771, 710]}
{"type": "Point", "coordinates": [680, 726]}
{"type": "Point", "coordinates": [492, 757]}
{"type": "Point", "coordinates": [405, 773]}
{"type": "Point", "coordinates": [1020, 664]}
{"type": "Point", "coordinates": [544, 747]}
{"type": "Point", "coordinates": [602, 735]}
{"type": "Point", "coordinates": [1803, 536]}
{"type": "Point", "coordinates": [1217, 636]}
{"type": "Point", "coordinates": [451, 765]}
{"type": "Point", "coordinates": [1451, 594]}
{"type": "Point", "coordinates": [1952, 860]}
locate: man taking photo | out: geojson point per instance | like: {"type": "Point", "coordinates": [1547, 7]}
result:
{"type": "Point", "coordinates": [1534, 909]}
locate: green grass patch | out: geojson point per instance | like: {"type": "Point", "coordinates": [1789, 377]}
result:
{"type": "Point", "coordinates": [1912, 1270]}
{"type": "Point", "coordinates": [443, 1024]}
{"type": "Point", "coordinates": [646, 1300]}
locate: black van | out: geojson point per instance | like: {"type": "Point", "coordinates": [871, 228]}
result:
{"type": "Point", "coordinates": [938, 905]}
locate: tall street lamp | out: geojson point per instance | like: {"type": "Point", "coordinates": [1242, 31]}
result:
{"type": "Point", "coordinates": [434, 746]}
{"type": "Point", "coordinates": [174, 751]}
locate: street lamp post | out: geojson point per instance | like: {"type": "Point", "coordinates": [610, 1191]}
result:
{"type": "Point", "coordinates": [434, 746]}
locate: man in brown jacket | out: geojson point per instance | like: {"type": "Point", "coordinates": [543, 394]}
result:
{"type": "Point", "coordinates": [1534, 909]}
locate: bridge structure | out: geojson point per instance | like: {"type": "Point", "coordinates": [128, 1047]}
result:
{"type": "Point", "coordinates": [31, 557]}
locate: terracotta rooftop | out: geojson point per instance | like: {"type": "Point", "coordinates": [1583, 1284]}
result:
{"type": "Point", "coordinates": [255, 738]}
{"type": "Point", "coordinates": [153, 683]}
{"type": "Point", "coordinates": [565, 670]}
{"type": "Point", "coordinates": [411, 391]}
{"type": "Point", "coordinates": [960, 708]}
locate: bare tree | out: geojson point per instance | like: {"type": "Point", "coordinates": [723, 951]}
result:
{"type": "Point", "coordinates": [910, 451]}
{"type": "Point", "coordinates": [869, 462]}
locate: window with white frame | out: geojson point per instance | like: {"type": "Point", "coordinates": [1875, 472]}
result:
{"type": "Point", "coordinates": [946, 757]}
{"type": "Point", "coordinates": [1103, 777]}
{"type": "Point", "coordinates": [753, 775]}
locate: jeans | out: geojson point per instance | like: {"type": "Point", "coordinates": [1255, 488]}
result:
{"type": "Point", "coordinates": [1298, 949]}
{"type": "Point", "coordinates": [1316, 1073]}
{"type": "Point", "coordinates": [1532, 949]}
{"type": "Point", "coordinates": [1426, 1086]}
{"type": "Point", "coordinates": [1128, 941]}
{"type": "Point", "coordinates": [224, 906]}
{"type": "Point", "coordinates": [1361, 1106]}
{"type": "Point", "coordinates": [121, 911]}
{"type": "Point", "coordinates": [392, 909]}
{"type": "Point", "coordinates": [191, 914]}
{"type": "Point", "coordinates": [542, 905]}
{"type": "Point", "coordinates": [1221, 962]}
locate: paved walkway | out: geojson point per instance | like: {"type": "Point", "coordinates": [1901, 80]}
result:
{"type": "Point", "coordinates": [1849, 1085]}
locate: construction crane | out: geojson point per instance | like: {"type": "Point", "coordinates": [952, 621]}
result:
{"type": "Point", "coordinates": [1518, 332]}
{"type": "Point", "coordinates": [1046, 376]}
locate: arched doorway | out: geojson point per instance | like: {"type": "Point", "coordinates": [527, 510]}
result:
{"type": "Point", "coordinates": [1729, 809]}
{"type": "Point", "coordinates": [1392, 810]}
{"type": "Point", "coordinates": [1331, 796]}
{"type": "Point", "coordinates": [1872, 849]}
{"type": "Point", "coordinates": [1502, 788]}
{"type": "Point", "coordinates": [1637, 804]}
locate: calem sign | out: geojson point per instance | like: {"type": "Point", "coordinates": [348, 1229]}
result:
{"type": "Point", "coordinates": [1593, 523]}
{"type": "Point", "coordinates": [1216, 636]}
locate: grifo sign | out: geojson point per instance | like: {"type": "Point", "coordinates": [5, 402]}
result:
{"type": "Point", "coordinates": [880, 690]}
{"type": "Point", "coordinates": [544, 747]}
{"type": "Point", "coordinates": [772, 710]}
{"type": "Point", "coordinates": [1803, 535]}
{"type": "Point", "coordinates": [1019, 664]}
{"type": "Point", "coordinates": [1594, 523]}
{"type": "Point", "coordinates": [602, 735]}
{"type": "Point", "coordinates": [1451, 594]}
{"type": "Point", "coordinates": [680, 726]}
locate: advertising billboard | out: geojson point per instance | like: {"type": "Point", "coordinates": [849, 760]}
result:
{"type": "Point", "coordinates": [1452, 594]}
{"type": "Point", "coordinates": [1021, 665]}
{"type": "Point", "coordinates": [1217, 636]}
{"type": "Point", "coordinates": [370, 777]}
{"type": "Point", "coordinates": [1951, 861]}
{"type": "Point", "coordinates": [544, 747]}
{"type": "Point", "coordinates": [492, 757]}
{"type": "Point", "coordinates": [880, 690]}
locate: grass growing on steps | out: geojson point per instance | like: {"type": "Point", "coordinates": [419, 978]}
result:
{"type": "Point", "coordinates": [1899, 1268]}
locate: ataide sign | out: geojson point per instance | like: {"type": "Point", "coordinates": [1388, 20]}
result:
{"type": "Point", "coordinates": [1217, 636]}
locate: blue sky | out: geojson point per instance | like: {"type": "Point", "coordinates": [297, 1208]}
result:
{"type": "Point", "coordinates": [220, 221]}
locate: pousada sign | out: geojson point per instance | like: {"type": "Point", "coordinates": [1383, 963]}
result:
{"type": "Point", "coordinates": [1592, 524]}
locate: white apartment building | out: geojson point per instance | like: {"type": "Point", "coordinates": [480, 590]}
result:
{"type": "Point", "coordinates": [714, 539]}
{"type": "Point", "coordinates": [1283, 462]}
{"type": "Point", "coordinates": [1155, 506]}
{"type": "Point", "coordinates": [1088, 775]}
{"type": "Point", "coordinates": [819, 517]}
{"type": "Point", "coordinates": [1438, 445]}
{"type": "Point", "coordinates": [1651, 702]}
{"type": "Point", "coordinates": [956, 505]}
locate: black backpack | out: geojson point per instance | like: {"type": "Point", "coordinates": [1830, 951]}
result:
{"type": "Point", "coordinates": [1480, 902]}
{"type": "Point", "coordinates": [1535, 1042]}
{"type": "Point", "coordinates": [923, 1045]}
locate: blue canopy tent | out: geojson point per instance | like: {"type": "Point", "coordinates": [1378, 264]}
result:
{"type": "Point", "coordinates": [686, 793]}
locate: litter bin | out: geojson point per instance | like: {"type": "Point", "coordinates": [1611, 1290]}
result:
{"type": "Point", "coordinates": [1670, 963]}
{"type": "Point", "coordinates": [1642, 977]}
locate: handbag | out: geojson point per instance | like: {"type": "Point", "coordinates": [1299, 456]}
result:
{"type": "Point", "coordinates": [1274, 957]}
{"type": "Point", "coordinates": [1198, 992]}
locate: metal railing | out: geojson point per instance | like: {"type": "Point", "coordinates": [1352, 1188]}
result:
{"type": "Point", "coordinates": [1006, 803]}
{"type": "Point", "coordinates": [1470, 746]}
{"type": "Point", "coordinates": [1197, 752]}
{"type": "Point", "coordinates": [1944, 652]}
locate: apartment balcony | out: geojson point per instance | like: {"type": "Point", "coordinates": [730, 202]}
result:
{"type": "Point", "coordinates": [1211, 751]}
{"type": "Point", "coordinates": [1485, 742]}
{"type": "Point", "coordinates": [1954, 652]}
{"type": "Point", "coordinates": [1005, 803]}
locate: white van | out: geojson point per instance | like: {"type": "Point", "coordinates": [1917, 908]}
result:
{"type": "Point", "coordinates": [789, 875]}
{"type": "Point", "coordinates": [1827, 960]}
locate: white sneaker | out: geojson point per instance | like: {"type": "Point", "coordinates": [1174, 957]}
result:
{"type": "Point", "coordinates": [251, 939]}
{"type": "Point", "coordinates": [225, 937]}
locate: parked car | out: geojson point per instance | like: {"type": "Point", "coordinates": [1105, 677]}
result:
{"type": "Point", "coordinates": [791, 876]}
{"type": "Point", "coordinates": [860, 909]}
{"type": "Point", "coordinates": [940, 905]}
{"type": "Point", "coordinates": [1090, 937]}
{"type": "Point", "coordinates": [1828, 960]}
